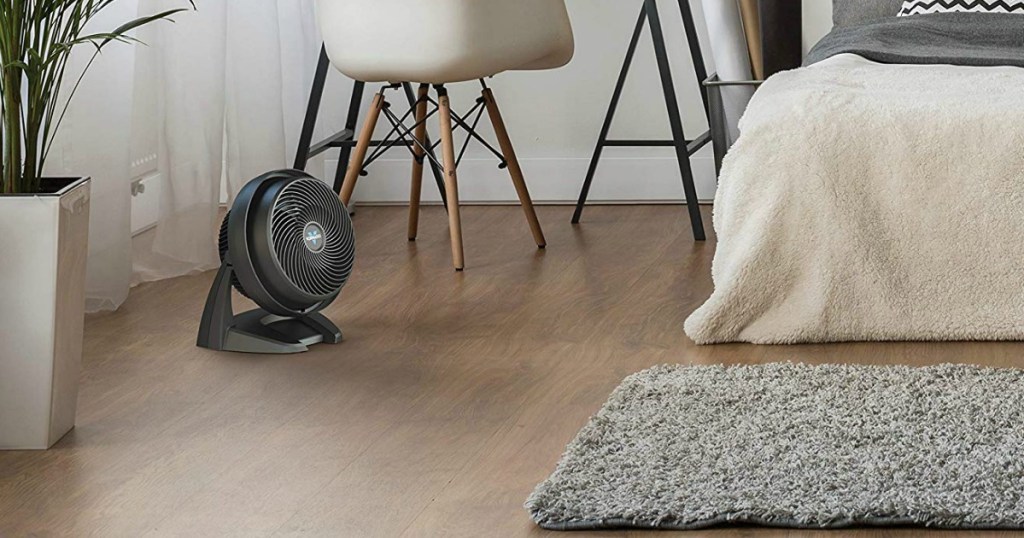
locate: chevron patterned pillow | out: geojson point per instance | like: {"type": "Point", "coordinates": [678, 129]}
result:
{"type": "Point", "coordinates": [920, 7]}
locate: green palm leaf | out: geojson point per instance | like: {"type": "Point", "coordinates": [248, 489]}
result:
{"type": "Point", "coordinates": [36, 41]}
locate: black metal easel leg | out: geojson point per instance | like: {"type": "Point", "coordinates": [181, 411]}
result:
{"type": "Point", "coordinates": [316, 96]}
{"type": "Point", "coordinates": [612, 107]}
{"type": "Point", "coordinates": [675, 120]}
{"type": "Point", "coordinates": [683, 148]}
{"type": "Point", "coordinates": [693, 40]}
{"type": "Point", "coordinates": [351, 122]}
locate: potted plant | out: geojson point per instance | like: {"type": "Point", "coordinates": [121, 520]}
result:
{"type": "Point", "coordinates": [44, 221]}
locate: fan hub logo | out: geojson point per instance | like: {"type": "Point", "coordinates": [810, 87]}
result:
{"type": "Point", "coordinates": [313, 237]}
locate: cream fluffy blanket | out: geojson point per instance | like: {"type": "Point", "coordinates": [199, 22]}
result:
{"type": "Point", "coordinates": [866, 201]}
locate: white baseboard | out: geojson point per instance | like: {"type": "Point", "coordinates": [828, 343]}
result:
{"type": "Point", "coordinates": [619, 180]}
{"type": "Point", "coordinates": [551, 180]}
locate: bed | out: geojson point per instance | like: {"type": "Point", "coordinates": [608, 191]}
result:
{"type": "Point", "coordinates": [877, 193]}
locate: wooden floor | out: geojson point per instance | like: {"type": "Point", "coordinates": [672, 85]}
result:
{"type": "Point", "coordinates": [451, 397]}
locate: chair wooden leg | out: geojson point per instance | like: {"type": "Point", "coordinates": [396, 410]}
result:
{"type": "Point", "coordinates": [417, 163]}
{"type": "Point", "coordinates": [514, 170]}
{"type": "Point", "coordinates": [362, 145]}
{"type": "Point", "coordinates": [451, 184]}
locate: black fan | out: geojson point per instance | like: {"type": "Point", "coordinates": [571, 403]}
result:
{"type": "Point", "coordinates": [288, 245]}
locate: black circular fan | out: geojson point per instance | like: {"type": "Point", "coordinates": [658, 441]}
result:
{"type": "Point", "coordinates": [290, 241]}
{"type": "Point", "coordinates": [288, 244]}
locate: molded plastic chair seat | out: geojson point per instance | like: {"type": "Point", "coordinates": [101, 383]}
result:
{"type": "Point", "coordinates": [443, 41]}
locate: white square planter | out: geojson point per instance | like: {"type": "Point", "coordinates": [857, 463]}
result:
{"type": "Point", "coordinates": [43, 250]}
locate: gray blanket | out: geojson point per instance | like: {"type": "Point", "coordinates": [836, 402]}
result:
{"type": "Point", "coordinates": [975, 39]}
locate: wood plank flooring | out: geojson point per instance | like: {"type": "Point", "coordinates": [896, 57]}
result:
{"type": "Point", "coordinates": [450, 398]}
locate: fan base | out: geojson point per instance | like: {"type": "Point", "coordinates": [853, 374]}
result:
{"type": "Point", "coordinates": [256, 331]}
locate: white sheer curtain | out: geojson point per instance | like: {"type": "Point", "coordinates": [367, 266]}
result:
{"type": "Point", "coordinates": [226, 86]}
{"type": "Point", "coordinates": [219, 94]}
{"type": "Point", "coordinates": [94, 141]}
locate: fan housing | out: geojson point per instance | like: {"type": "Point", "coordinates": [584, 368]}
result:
{"type": "Point", "coordinates": [288, 245]}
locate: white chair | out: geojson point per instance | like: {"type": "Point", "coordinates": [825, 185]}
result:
{"type": "Point", "coordinates": [438, 42]}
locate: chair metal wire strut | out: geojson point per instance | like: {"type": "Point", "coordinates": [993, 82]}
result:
{"type": "Point", "coordinates": [344, 140]}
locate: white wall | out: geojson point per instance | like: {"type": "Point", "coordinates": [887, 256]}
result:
{"type": "Point", "coordinates": [554, 117]}
{"type": "Point", "coordinates": [817, 21]}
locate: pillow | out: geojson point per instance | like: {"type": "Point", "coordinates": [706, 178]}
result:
{"type": "Point", "coordinates": [850, 12]}
{"type": "Point", "coordinates": [920, 7]}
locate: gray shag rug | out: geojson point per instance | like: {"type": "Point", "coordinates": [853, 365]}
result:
{"type": "Point", "coordinates": [797, 446]}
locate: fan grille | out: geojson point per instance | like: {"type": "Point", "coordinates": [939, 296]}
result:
{"type": "Point", "coordinates": [321, 270]}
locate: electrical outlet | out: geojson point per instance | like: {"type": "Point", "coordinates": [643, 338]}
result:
{"type": "Point", "coordinates": [145, 203]}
